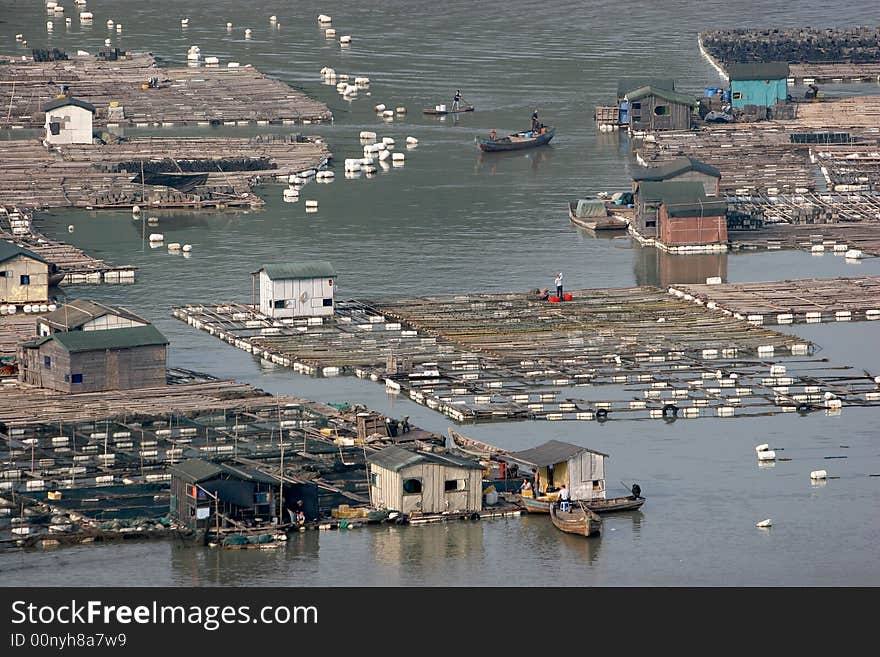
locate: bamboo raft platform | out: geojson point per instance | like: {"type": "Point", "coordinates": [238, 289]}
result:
{"type": "Point", "coordinates": [78, 268]}
{"type": "Point", "coordinates": [103, 176]}
{"type": "Point", "coordinates": [860, 113]}
{"type": "Point", "coordinates": [864, 236]}
{"type": "Point", "coordinates": [822, 55]}
{"type": "Point", "coordinates": [786, 302]}
{"type": "Point", "coordinates": [490, 357]}
{"type": "Point", "coordinates": [191, 96]}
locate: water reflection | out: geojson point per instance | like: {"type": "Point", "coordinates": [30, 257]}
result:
{"type": "Point", "coordinates": [490, 162]}
{"type": "Point", "coordinates": [655, 267]}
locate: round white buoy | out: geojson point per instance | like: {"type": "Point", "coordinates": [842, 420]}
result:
{"type": "Point", "coordinates": [380, 107]}
{"type": "Point", "coordinates": [174, 246]}
{"type": "Point", "coordinates": [49, 25]}
{"type": "Point", "coordinates": [212, 61]}
{"type": "Point", "coordinates": [398, 157]}
{"type": "Point", "coordinates": [135, 209]}
{"type": "Point", "coordinates": [44, 307]}
{"type": "Point", "coordinates": [70, 228]}
{"type": "Point", "coordinates": [765, 523]}
{"type": "Point", "coordinates": [228, 26]}
{"type": "Point", "coordinates": [156, 237]}
{"type": "Point", "coordinates": [767, 455]}
{"type": "Point", "coordinates": [311, 204]}
{"type": "Point", "coordinates": [187, 248]}
{"type": "Point", "coordinates": [106, 42]}
{"type": "Point", "coordinates": [68, 21]}
{"type": "Point", "coordinates": [27, 308]}
{"type": "Point", "coordinates": [388, 114]}
{"type": "Point", "coordinates": [345, 39]}
{"type": "Point", "coordinates": [152, 220]}
{"type": "Point", "coordinates": [367, 135]}
{"type": "Point", "coordinates": [400, 110]}
{"type": "Point", "coordinates": [233, 65]}
{"type": "Point", "coordinates": [86, 16]}
{"type": "Point", "coordinates": [854, 254]}
{"type": "Point", "coordinates": [110, 23]}
{"type": "Point", "coordinates": [384, 155]}
{"type": "Point", "coordinates": [184, 22]}
{"type": "Point", "coordinates": [412, 141]}
{"type": "Point", "coordinates": [324, 18]}
{"type": "Point", "coordinates": [762, 447]}
{"type": "Point", "coordinates": [119, 27]}
{"type": "Point", "coordinates": [52, 307]}
{"type": "Point", "coordinates": [818, 474]}
{"type": "Point", "coordinates": [273, 19]}
{"type": "Point", "coordinates": [247, 33]}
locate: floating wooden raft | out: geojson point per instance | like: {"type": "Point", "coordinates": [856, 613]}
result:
{"type": "Point", "coordinates": [784, 302]}
{"type": "Point", "coordinates": [86, 175]}
{"type": "Point", "coordinates": [185, 96]}
{"type": "Point", "coordinates": [863, 236]}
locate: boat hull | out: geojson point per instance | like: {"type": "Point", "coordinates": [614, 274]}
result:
{"type": "Point", "coordinates": [435, 112]}
{"type": "Point", "coordinates": [579, 520]}
{"type": "Point", "coordinates": [596, 223]}
{"type": "Point", "coordinates": [500, 145]}
{"type": "Point", "coordinates": [610, 505]}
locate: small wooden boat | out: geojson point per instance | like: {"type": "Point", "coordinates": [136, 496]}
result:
{"type": "Point", "coordinates": [433, 111]}
{"type": "Point", "coordinates": [474, 447]}
{"type": "Point", "coordinates": [593, 215]}
{"type": "Point", "coordinates": [543, 503]}
{"type": "Point", "coordinates": [577, 520]}
{"type": "Point", "coordinates": [516, 141]}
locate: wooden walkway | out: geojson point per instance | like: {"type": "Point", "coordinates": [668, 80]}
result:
{"type": "Point", "coordinates": [786, 302]}
{"type": "Point", "coordinates": [185, 96]}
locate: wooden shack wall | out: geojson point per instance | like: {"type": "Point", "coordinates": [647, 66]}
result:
{"type": "Point", "coordinates": [388, 490]}
{"type": "Point", "coordinates": [33, 371]}
{"type": "Point", "coordinates": [11, 289]}
{"type": "Point", "coordinates": [644, 118]}
{"type": "Point", "coordinates": [76, 125]}
{"type": "Point", "coordinates": [692, 231]}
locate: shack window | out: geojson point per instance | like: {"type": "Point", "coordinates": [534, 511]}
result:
{"type": "Point", "coordinates": [597, 484]}
{"type": "Point", "coordinates": [76, 378]}
{"type": "Point", "coordinates": [412, 486]}
{"type": "Point", "coordinates": [328, 302]}
{"type": "Point", "coordinates": [636, 119]}
{"type": "Point", "coordinates": [25, 279]}
{"type": "Point", "coordinates": [374, 480]}
{"type": "Point", "coordinates": [636, 106]}
{"type": "Point", "coordinates": [661, 110]}
{"type": "Point", "coordinates": [737, 95]}
{"type": "Point", "coordinates": [4, 274]}
{"type": "Point", "coordinates": [455, 484]}
{"type": "Point", "coordinates": [47, 362]}
{"type": "Point", "coordinates": [279, 304]}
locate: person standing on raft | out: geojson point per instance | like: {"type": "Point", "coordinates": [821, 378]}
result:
{"type": "Point", "coordinates": [535, 124]}
{"type": "Point", "coordinates": [456, 100]}
{"type": "Point", "coordinates": [558, 282]}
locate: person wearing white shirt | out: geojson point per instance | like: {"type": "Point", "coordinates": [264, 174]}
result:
{"type": "Point", "coordinates": [559, 285]}
{"type": "Point", "coordinates": [564, 498]}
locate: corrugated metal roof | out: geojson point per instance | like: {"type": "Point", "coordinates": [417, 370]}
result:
{"type": "Point", "coordinates": [79, 311]}
{"type": "Point", "coordinates": [9, 250]}
{"type": "Point", "coordinates": [758, 71]}
{"type": "Point", "coordinates": [64, 102]}
{"type": "Point", "coordinates": [674, 168]}
{"type": "Point", "coordinates": [665, 94]}
{"type": "Point", "coordinates": [123, 338]}
{"type": "Point", "coordinates": [397, 458]}
{"type": "Point", "coordinates": [553, 451]}
{"type": "Point", "coordinates": [672, 192]}
{"type": "Point", "coordinates": [196, 470]}
{"type": "Point", "coordinates": [308, 269]}
{"type": "Point", "coordinates": [625, 85]}
{"type": "Point", "coordinates": [709, 208]}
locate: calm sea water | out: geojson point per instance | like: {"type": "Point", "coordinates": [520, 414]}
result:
{"type": "Point", "coordinates": [452, 220]}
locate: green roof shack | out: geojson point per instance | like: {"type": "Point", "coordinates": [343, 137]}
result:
{"type": "Point", "coordinates": [763, 84]}
{"type": "Point", "coordinates": [679, 214]}
{"type": "Point", "coordinates": [91, 361]}
{"type": "Point", "coordinates": [654, 109]}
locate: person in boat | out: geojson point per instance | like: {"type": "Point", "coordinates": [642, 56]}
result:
{"type": "Point", "coordinates": [492, 134]}
{"type": "Point", "coordinates": [558, 283]}
{"type": "Point", "coordinates": [404, 424]}
{"type": "Point", "coordinates": [535, 124]}
{"type": "Point", "coordinates": [636, 491]}
{"type": "Point", "coordinates": [564, 499]}
{"type": "Point", "coordinates": [456, 101]}
{"type": "Point", "coordinates": [526, 486]}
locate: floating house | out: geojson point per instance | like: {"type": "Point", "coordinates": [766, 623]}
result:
{"type": "Point", "coordinates": [91, 361]}
{"type": "Point", "coordinates": [69, 121]}
{"type": "Point", "coordinates": [682, 169]}
{"type": "Point", "coordinates": [654, 109]}
{"type": "Point", "coordinates": [627, 85]}
{"type": "Point", "coordinates": [679, 214]}
{"type": "Point", "coordinates": [762, 84]}
{"type": "Point", "coordinates": [581, 469]}
{"type": "Point", "coordinates": [200, 490]}
{"type": "Point", "coordinates": [24, 275]}
{"type": "Point", "coordinates": [411, 481]}
{"type": "Point", "coordinates": [82, 315]}
{"type": "Point", "coordinates": [303, 289]}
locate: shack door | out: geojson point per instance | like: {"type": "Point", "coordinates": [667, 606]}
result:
{"type": "Point", "coordinates": [429, 489]}
{"type": "Point", "coordinates": [112, 371]}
